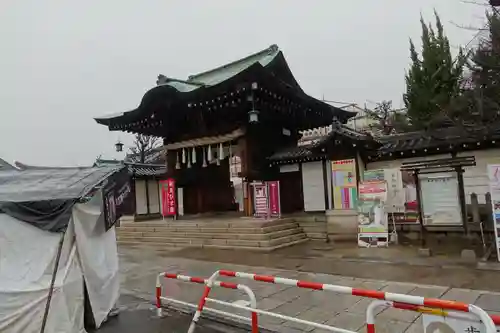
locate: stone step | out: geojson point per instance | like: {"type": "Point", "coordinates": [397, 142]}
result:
{"type": "Point", "coordinates": [240, 223]}
{"type": "Point", "coordinates": [163, 246]}
{"type": "Point", "coordinates": [209, 235]}
{"type": "Point", "coordinates": [137, 227]}
{"type": "Point", "coordinates": [180, 242]}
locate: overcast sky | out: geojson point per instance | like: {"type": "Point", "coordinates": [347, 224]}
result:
{"type": "Point", "coordinates": [64, 62]}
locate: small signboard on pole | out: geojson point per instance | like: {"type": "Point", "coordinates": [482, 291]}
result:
{"type": "Point", "coordinates": [261, 199]}
{"type": "Point", "coordinates": [169, 205]}
{"type": "Point", "coordinates": [267, 199]}
{"type": "Point", "coordinates": [373, 229]}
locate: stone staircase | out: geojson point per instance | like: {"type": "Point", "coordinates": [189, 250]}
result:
{"type": "Point", "coordinates": [236, 233]}
{"type": "Point", "coordinates": [314, 226]}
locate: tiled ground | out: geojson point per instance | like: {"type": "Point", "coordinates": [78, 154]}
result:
{"type": "Point", "coordinates": [140, 267]}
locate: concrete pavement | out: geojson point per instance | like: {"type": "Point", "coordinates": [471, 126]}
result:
{"type": "Point", "coordinates": [139, 268]}
{"type": "Point", "coordinates": [136, 316]}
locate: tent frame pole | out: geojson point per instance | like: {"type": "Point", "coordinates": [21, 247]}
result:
{"type": "Point", "coordinates": [52, 283]}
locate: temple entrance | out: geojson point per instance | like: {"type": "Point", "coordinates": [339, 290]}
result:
{"type": "Point", "coordinates": [292, 200]}
{"type": "Point", "coordinates": [249, 108]}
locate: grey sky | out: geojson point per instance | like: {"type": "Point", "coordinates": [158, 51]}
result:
{"type": "Point", "coordinates": [64, 62]}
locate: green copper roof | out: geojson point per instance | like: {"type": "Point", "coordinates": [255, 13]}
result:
{"type": "Point", "coordinates": [222, 73]}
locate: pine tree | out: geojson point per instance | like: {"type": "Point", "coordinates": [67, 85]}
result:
{"type": "Point", "coordinates": [433, 80]}
{"type": "Point", "coordinates": [480, 102]}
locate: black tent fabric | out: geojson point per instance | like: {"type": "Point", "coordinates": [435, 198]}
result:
{"type": "Point", "coordinates": [44, 197]}
{"type": "Point", "coordinates": [49, 215]}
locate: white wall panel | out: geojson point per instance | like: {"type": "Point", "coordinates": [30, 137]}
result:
{"type": "Point", "coordinates": [140, 197]}
{"type": "Point", "coordinates": [313, 186]}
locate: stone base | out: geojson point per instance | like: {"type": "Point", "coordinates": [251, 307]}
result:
{"type": "Point", "coordinates": [424, 252]}
{"type": "Point", "coordinates": [342, 225]}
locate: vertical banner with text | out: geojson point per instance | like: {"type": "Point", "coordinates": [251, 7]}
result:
{"type": "Point", "coordinates": [274, 198]}
{"type": "Point", "coordinates": [168, 202]}
{"type": "Point", "coordinates": [114, 193]}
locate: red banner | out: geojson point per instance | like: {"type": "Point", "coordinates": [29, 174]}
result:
{"type": "Point", "coordinates": [168, 203]}
{"type": "Point", "coordinates": [274, 198]}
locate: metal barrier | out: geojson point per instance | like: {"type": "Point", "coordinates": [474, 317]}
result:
{"type": "Point", "coordinates": [474, 314]}
{"type": "Point", "coordinates": [398, 299]}
{"type": "Point", "coordinates": [198, 280]}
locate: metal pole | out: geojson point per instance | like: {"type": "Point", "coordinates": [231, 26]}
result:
{"type": "Point", "coordinates": [52, 283]}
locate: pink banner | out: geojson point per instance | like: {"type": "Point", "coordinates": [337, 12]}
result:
{"type": "Point", "coordinates": [168, 203]}
{"type": "Point", "coordinates": [274, 198]}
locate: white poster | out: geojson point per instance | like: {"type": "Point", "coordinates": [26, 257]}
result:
{"type": "Point", "coordinates": [440, 324]}
{"type": "Point", "coordinates": [372, 218]}
{"type": "Point", "coordinates": [494, 179]}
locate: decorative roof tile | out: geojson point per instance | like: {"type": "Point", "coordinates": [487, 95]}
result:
{"type": "Point", "coordinates": [145, 170]}
{"type": "Point", "coordinates": [317, 137]}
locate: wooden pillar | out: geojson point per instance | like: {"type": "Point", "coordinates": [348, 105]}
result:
{"type": "Point", "coordinates": [325, 185]}
{"type": "Point", "coordinates": [171, 159]}
{"type": "Point", "coordinates": [461, 198]}
{"type": "Point", "coordinates": [423, 231]}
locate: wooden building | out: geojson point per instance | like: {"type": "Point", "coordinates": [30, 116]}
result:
{"type": "Point", "coordinates": [145, 201]}
{"type": "Point", "coordinates": [250, 108]}
{"type": "Point", "coordinates": [311, 164]}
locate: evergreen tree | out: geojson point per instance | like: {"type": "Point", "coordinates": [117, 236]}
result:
{"type": "Point", "coordinates": [480, 100]}
{"type": "Point", "coordinates": [433, 80]}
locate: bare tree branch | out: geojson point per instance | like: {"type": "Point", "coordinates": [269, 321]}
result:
{"type": "Point", "coordinates": [144, 145]}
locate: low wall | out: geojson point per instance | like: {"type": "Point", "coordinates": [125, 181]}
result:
{"type": "Point", "coordinates": [342, 225]}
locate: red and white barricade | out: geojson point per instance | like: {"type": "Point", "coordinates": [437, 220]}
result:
{"type": "Point", "coordinates": [402, 301]}
{"type": "Point", "coordinates": [228, 285]}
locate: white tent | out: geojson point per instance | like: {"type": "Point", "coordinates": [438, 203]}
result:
{"type": "Point", "coordinates": [46, 259]}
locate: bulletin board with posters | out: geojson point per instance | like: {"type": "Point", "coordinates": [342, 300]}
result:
{"type": "Point", "coordinates": [345, 184]}
{"type": "Point", "coordinates": [401, 200]}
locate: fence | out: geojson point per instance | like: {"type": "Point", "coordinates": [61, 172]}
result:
{"type": "Point", "coordinates": [400, 301]}
{"type": "Point", "coordinates": [228, 285]}
{"type": "Point", "coordinates": [370, 313]}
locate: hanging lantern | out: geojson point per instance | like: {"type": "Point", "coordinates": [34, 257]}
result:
{"type": "Point", "coordinates": [253, 116]}
{"type": "Point", "coordinates": [204, 165]}
{"type": "Point", "coordinates": [193, 153]}
{"type": "Point", "coordinates": [209, 154]}
{"type": "Point", "coordinates": [183, 156]}
{"type": "Point", "coordinates": [119, 146]}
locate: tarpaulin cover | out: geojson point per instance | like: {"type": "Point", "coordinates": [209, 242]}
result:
{"type": "Point", "coordinates": [27, 259]}
{"type": "Point", "coordinates": [44, 197]}
{"type": "Point", "coordinates": [98, 256]}
{"type": "Point", "coordinates": [50, 183]}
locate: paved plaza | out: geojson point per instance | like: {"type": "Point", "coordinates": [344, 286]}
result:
{"type": "Point", "coordinates": [139, 268]}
